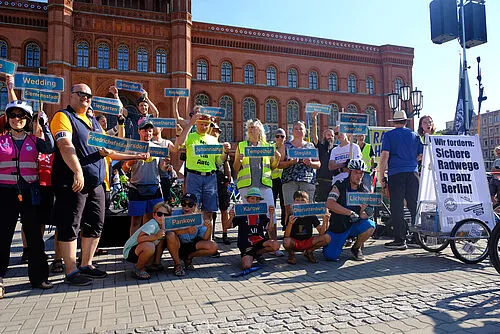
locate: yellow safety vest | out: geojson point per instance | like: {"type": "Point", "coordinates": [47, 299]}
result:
{"type": "Point", "coordinates": [277, 172]}
{"type": "Point", "coordinates": [245, 174]}
{"type": "Point", "coordinates": [365, 154]}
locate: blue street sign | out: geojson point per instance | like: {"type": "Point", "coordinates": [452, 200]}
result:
{"type": "Point", "coordinates": [259, 151]}
{"type": "Point", "coordinates": [250, 209]}
{"type": "Point", "coordinates": [137, 146]}
{"type": "Point", "coordinates": [353, 118]}
{"type": "Point", "coordinates": [319, 108]}
{"type": "Point", "coordinates": [208, 149]}
{"type": "Point", "coordinates": [166, 123]}
{"type": "Point", "coordinates": [302, 210]}
{"type": "Point", "coordinates": [106, 105]}
{"type": "Point", "coordinates": [183, 221]}
{"type": "Point", "coordinates": [357, 198]}
{"type": "Point", "coordinates": [40, 82]}
{"type": "Point", "coordinates": [302, 153]}
{"type": "Point", "coordinates": [353, 129]}
{"type": "Point", "coordinates": [7, 67]}
{"type": "Point", "coordinates": [161, 152]}
{"type": "Point", "coordinates": [213, 111]}
{"type": "Point", "coordinates": [128, 85]}
{"type": "Point", "coordinates": [44, 96]}
{"type": "Point", "coordinates": [182, 92]}
{"type": "Point", "coordinates": [110, 142]}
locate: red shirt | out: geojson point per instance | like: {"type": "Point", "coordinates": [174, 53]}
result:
{"type": "Point", "coordinates": [45, 169]}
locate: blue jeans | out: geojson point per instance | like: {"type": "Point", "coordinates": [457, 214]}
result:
{"type": "Point", "coordinates": [205, 189]}
{"type": "Point", "coordinates": [333, 250]}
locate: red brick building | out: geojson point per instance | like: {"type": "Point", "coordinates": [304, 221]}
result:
{"type": "Point", "coordinates": [252, 73]}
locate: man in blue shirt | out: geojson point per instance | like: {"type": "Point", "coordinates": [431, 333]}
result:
{"type": "Point", "coordinates": [401, 149]}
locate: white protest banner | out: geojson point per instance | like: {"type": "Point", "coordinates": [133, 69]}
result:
{"type": "Point", "coordinates": [376, 136]}
{"type": "Point", "coordinates": [454, 179]}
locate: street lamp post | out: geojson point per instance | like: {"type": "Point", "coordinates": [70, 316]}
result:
{"type": "Point", "coordinates": [406, 95]}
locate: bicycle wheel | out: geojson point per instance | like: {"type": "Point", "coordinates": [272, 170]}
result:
{"type": "Point", "coordinates": [471, 243]}
{"type": "Point", "coordinates": [432, 244]}
{"type": "Point", "coordinates": [494, 246]}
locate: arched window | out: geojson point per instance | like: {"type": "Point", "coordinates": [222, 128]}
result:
{"type": "Point", "coordinates": [103, 56]}
{"type": "Point", "coordinates": [351, 84]}
{"type": "Point", "coordinates": [3, 49]}
{"type": "Point", "coordinates": [249, 109]}
{"type": "Point", "coordinates": [313, 80]}
{"type": "Point", "coordinates": [82, 54]}
{"type": "Point", "coordinates": [271, 117]}
{"type": "Point", "coordinates": [352, 108]}
{"type": "Point", "coordinates": [4, 98]}
{"type": "Point", "coordinates": [332, 82]}
{"type": "Point", "coordinates": [202, 70]}
{"type": "Point", "coordinates": [225, 72]}
{"type": "Point", "coordinates": [398, 83]}
{"type": "Point", "coordinates": [334, 115]}
{"type": "Point", "coordinates": [123, 58]}
{"type": "Point", "coordinates": [370, 86]}
{"type": "Point", "coordinates": [142, 59]}
{"type": "Point", "coordinates": [201, 100]}
{"type": "Point", "coordinates": [226, 123]}
{"type": "Point", "coordinates": [292, 114]}
{"type": "Point", "coordinates": [372, 115]}
{"type": "Point", "coordinates": [292, 78]}
{"type": "Point", "coordinates": [271, 76]}
{"type": "Point", "coordinates": [249, 74]}
{"type": "Point", "coordinates": [32, 55]}
{"type": "Point", "coordinates": [161, 61]}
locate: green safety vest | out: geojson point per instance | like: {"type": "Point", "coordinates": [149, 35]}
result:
{"type": "Point", "coordinates": [365, 155]}
{"type": "Point", "coordinates": [200, 163]}
{"type": "Point", "coordinates": [277, 172]}
{"type": "Point", "coordinates": [245, 174]}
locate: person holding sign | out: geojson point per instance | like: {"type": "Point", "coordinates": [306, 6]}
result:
{"type": "Point", "coordinates": [20, 189]}
{"type": "Point", "coordinates": [190, 242]}
{"type": "Point", "coordinates": [200, 178]}
{"type": "Point", "coordinates": [145, 190]}
{"type": "Point", "coordinates": [401, 150]}
{"type": "Point", "coordinates": [276, 173]}
{"type": "Point", "coordinates": [340, 156]}
{"type": "Point", "coordinates": [298, 233]}
{"type": "Point", "coordinates": [255, 171]}
{"type": "Point", "coordinates": [324, 175]}
{"type": "Point", "coordinates": [298, 174]}
{"type": "Point", "coordinates": [348, 221]}
{"type": "Point", "coordinates": [367, 155]}
{"type": "Point", "coordinates": [146, 245]}
{"type": "Point", "coordinates": [253, 240]}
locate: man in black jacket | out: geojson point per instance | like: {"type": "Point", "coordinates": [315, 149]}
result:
{"type": "Point", "coordinates": [348, 221]}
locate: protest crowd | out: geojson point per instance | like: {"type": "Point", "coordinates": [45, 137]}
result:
{"type": "Point", "coordinates": [52, 173]}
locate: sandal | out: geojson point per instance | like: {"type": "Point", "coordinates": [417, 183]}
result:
{"type": "Point", "coordinates": [57, 266]}
{"type": "Point", "coordinates": [154, 268]}
{"type": "Point", "coordinates": [44, 285]}
{"type": "Point", "coordinates": [188, 264]}
{"type": "Point", "coordinates": [291, 258]}
{"type": "Point", "coordinates": [310, 257]}
{"type": "Point", "coordinates": [141, 274]}
{"type": "Point", "coordinates": [178, 270]}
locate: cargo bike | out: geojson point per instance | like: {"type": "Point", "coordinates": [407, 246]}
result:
{"type": "Point", "coordinates": [454, 206]}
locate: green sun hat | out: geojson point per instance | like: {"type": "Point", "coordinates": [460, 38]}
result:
{"type": "Point", "coordinates": [254, 192]}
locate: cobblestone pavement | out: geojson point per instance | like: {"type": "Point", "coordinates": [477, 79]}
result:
{"type": "Point", "coordinates": [392, 292]}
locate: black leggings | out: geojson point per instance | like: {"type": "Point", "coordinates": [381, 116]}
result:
{"type": "Point", "coordinates": [11, 208]}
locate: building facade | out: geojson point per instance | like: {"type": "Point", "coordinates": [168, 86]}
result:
{"type": "Point", "coordinates": [489, 134]}
{"type": "Point", "coordinates": [251, 73]}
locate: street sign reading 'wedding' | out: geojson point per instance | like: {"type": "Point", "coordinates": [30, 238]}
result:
{"type": "Point", "coordinates": [40, 82]}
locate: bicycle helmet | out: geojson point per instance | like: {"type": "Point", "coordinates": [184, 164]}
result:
{"type": "Point", "coordinates": [23, 105]}
{"type": "Point", "coordinates": [356, 165]}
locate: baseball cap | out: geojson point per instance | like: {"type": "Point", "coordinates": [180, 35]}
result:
{"type": "Point", "coordinates": [146, 123]}
{"type": "Point", "coordinates": [190, 197]}
{"type": "Point", "coordinates": [254, 192]}
{"type": "Point", "coordinates": [280, 131]}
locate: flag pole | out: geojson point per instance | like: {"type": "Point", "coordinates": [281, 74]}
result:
{"type": "Point", "coordinates": [481, 96]}
{"type": "Point", "coordinates": [464, 69]}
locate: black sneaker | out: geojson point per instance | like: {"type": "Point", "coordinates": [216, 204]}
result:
{"type": "Point", "coordinates": [399, 245]}
{"type": "Point", "coordinates": [93, 272]}
{"type": "Point", "coordinates": [225, 240]}
{"type": "Point", "coordinates": [357, 253]}
{"type": "Point", "coordinates": [260, 259]}
{"type": "Point", "coordinates": [78, 279]}
{"type": "Point", "coordinates": [24, 257]}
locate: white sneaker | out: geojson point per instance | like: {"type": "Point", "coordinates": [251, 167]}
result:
{"type": "Point", "coordinates": [279, 253]}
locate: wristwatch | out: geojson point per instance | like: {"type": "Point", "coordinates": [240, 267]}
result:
{"type": "Point", "coordinates": [353, 215]}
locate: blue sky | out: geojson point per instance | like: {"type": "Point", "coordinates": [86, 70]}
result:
{"type": "Point", "coordinates": [377, 22]}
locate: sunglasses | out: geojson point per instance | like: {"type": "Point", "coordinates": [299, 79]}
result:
{"type": "Point", "coordinates": [83, 94]}
{"type": "Point", "coordinates": [161, 214]}
{"type": "Point", "coordinates": [188, 204]}
{"type": "Point", "coordinates": [279, 136]}
{"type": "Point", "coordinates": [17, 115]}
{"type": "Point", "coordinates": [336, 133]}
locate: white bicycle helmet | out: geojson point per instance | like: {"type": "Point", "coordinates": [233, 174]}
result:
{"type": "Point", "coordinates": [23, 105]}
{"type": "Point", "coordinates": [356, 165]}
